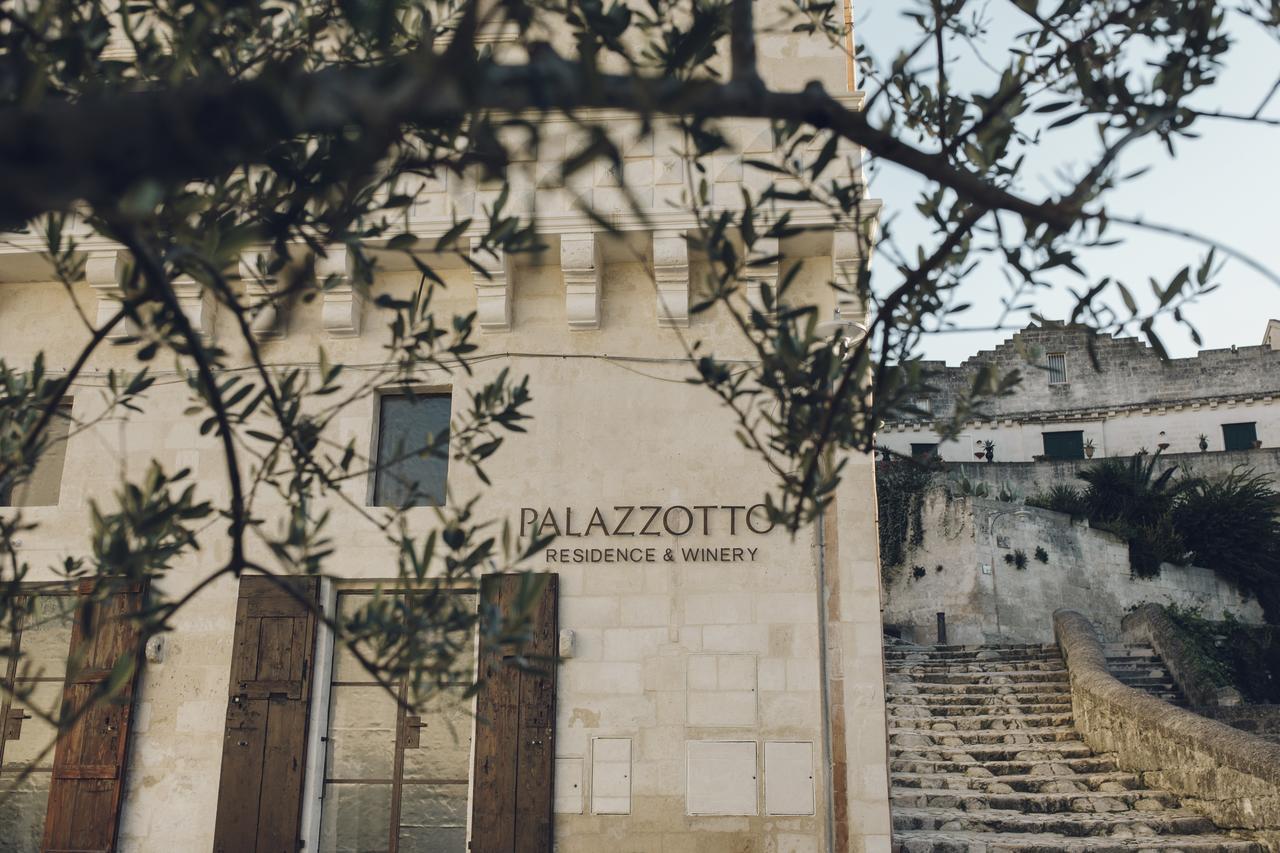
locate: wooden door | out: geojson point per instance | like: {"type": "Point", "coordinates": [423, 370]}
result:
{"type": "Point", "coordinates": [265, 742]}
{"type": "Point", "coordinates": [89, 761]}
{"type": "Point", "coordinates": [515, 729]}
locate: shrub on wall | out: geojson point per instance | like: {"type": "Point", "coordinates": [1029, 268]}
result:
{"type": "Point", "coordinates": [1229, 524]}
{"type": "Point", "coordinates": [901, 488]}
{"type": "Point", "coordinates": [1233, 654]}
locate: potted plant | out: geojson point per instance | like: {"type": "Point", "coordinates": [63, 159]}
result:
{"type": "Point", "coordinates": [1204, 442]}
{"type": "Point", "coordinates": [1088, 448]}
{"type": "Point", "coordinates": [978, 452]}
{"type": "Point", "coordinates": [1163, 442]}
{"type": "Point", "coordinates": [1257, 445]}
{"type": "Point", "coordinates": [989, 450]}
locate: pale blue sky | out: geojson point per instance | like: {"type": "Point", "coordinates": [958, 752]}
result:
{"type": "Point", "coordinates": [1225, 185]}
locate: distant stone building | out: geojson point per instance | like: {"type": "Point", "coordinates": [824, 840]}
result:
{"type": "Point", "coordinates": [1068, 408]}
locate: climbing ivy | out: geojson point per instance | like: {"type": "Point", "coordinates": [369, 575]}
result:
{"type": "Point", "coordinates": [901, 488]}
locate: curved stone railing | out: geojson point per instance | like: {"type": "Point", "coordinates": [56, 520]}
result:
{"type": "Point", "coordinates": [1150, 624]}
{"type": "Point", "coordinates": [1229, 775]}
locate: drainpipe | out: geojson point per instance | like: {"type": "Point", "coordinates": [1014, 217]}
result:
{"type": "Point", "coordinates": [828, 759]}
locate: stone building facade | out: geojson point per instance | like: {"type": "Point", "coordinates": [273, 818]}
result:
{"type": "Point", "coordinates": [1068, 407]}
{"type": "Point", "coordinates": [719, 689]}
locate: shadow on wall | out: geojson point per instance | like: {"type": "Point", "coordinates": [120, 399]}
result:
{"type": "Point", "coordinates": [998, 571]}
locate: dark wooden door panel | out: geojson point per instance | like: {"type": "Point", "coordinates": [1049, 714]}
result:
{"type": "Point", "coordinates": [87, 782]}
{"type": "Point", "coordinates": [264, 746]}
{"type": "Point", "coordinates": [515, 731]}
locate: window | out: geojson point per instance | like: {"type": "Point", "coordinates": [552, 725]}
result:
{"type": "Point", "coordinates": [1239, 436]}
{"type": "Point", "coordinates": [923, 404]}
{"type": "Point", "coordinates": [1064, 445]}
{"type": "Point", "coordinates": [34, 667]}
{"type": "Point", "coordinates": [44, 486]}
{"type": "Point", "coordinates": [395, 781]}
{"type": "Point", "coordinates": [413, 450]}
{"type": "Point", "coordinates": [1057, 363]}
{"type": "Point", "coordinates": [924, 451]}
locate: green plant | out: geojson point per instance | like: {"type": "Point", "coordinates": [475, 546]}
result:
{"type": "Point", "coordinates": [1006, 494]}
{"type": "Point", "coordinates": [965, 488]}
{"type": "Point", "coordinates": [901, 488]}
{"type": "Point", "coordinates": [1132, 499]}
{"type": "Point", "coordinates": [1061, 498]}
{"type": "Point", "coordinates": [1041, 554]}
{"type": "Point", "coordinates": [1018, 559]}
{"type": "Point", "coordinates": [1230, 524]}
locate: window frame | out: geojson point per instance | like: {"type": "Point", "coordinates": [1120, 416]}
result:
{"type": "Point", "coordinates": [10, 678]}
{"type": "Point", "coordinates": [1052, 370]}
{"type": "Point", "coordinates": [375, 436]}
{"type": "Point", "coordinates": [1227, 441]}
{"type": "Point", "coordinates": [64, 413]}
{"type": "Point", "coordinates": [1062, 432]}
{"type": "Point", "coordinates": [318, 774]}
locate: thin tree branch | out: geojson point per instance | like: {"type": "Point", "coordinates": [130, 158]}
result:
{"type": "Point", "coordinates": [49, 161]}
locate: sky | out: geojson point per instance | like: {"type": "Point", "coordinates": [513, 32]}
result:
{"type": "Point", "coordinates": [1224, 185]}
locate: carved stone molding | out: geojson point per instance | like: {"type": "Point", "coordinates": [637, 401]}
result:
{"type": "Point", "coordinates": [343, 305]}
{"type": "Point", "coordinates": [268, 323]}
{"type": "Point", "coordinates": [198, 303]}
{"type": "Point", "coordinates": [759, 275]}
{"type": "Point", "coordinates": [493, 291]}
{"type": "Point", "coordinates": [104, 271]}
{"type": "Point", "coordinates": [671, 274]}
{"type": "Point", "coordinates": [582, 263]}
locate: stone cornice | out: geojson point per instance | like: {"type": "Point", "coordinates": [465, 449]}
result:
{"type": "Point", "coordinates": [1093, 414]}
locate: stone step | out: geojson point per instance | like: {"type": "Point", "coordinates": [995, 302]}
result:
{"type": "Point", "coordinates": [1075, 802]}
{"type": "Point", "coordinates": [1027, 752]}
{"type": "Point", "coordinates": [958, 692]}
{"type": "Point", "coordinates": [999, 676]}
{"type": "Point", "coordinates": [955, 841]}
{"type": "Point", "coordinates": [995, 722]}
{"type": "Point", "coordinates": [947, 668]}
{"type": "Point", "coordinates": [978, 778]}
{"type": "Point", "coordinates": [1075, 825]}
{"type": "Point", "coordinates": [1008, 767]}
{"type": "Point", "coordinates": [973, 657]}
{"type": "Point", "coordinates": [926, 738]}
{"type": "Point", "coordinates": [970, 709]}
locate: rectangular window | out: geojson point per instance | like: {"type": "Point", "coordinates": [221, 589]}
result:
{"type": "Point", "coordinates": [924, 451]}
{"type": "Point", "coordinates": [1239, 436]}
{"type": "Point", "coordinates": [413, 450]}
{"type": "Point", "coordinates": [923, 404]}
{"type": "Point", "coordinates": [1057, 363]}
{"type": "Point", "coordinates": [34, 667]}
{"type": "Point", "coordinates": [44, 486]}
{"type": "Point", "coordinates": [394, 780]}
{"type": "Point", "coordinates": [1064, 445]}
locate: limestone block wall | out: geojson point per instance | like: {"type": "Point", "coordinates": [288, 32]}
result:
{"type": "Point", "coordinates": [669, 655]}
{"type": "Point", "coordinates": [961, 570]}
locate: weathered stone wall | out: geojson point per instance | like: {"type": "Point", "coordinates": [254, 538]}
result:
{"type": "Point", "coordinates": [1122, 407]}
{"type": "Point", "coordinates": [1024, 479]}
{"type": "Point", "coordinates": [1150, 624]}
{"type": "Point", "coordinates": [1129, 372]}
{"type": "Point", "coordinates": [987, 599]}
{"type": "Point", "coordinates": [1231, 776]}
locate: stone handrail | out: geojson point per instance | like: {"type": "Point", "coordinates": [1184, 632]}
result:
{"type": "Point", "coordinates": [1229, 775]}
{"type": "Point", "coordinates": [1150, 624]}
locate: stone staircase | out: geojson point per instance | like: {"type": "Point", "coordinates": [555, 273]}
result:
{"type": "Point", "coordinates": [985, 758]}
{"type": "Point", "coordinates": [1141, 668]}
